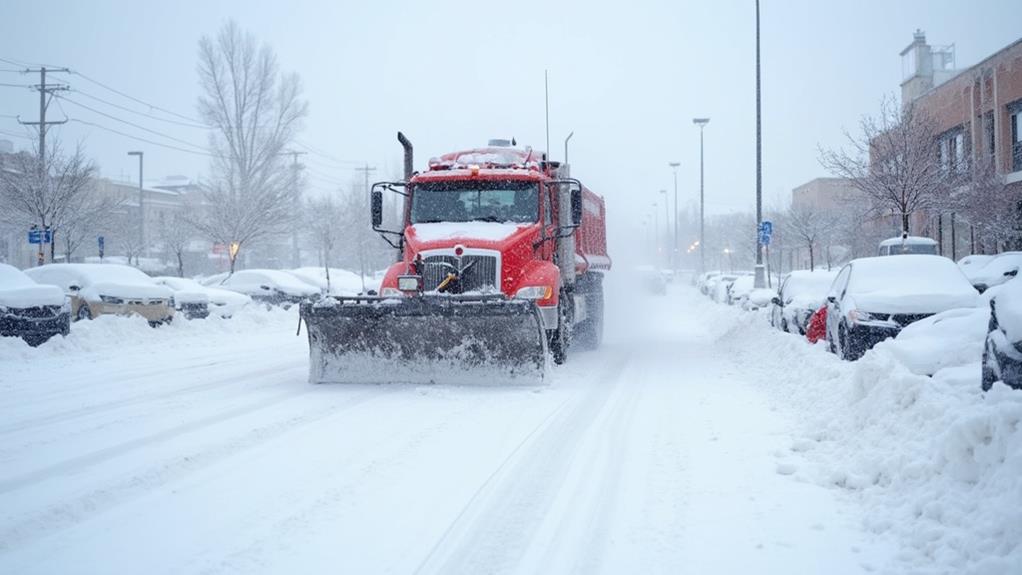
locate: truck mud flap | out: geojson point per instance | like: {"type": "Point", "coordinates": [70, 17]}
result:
{"type": "Point", "coordinates": [487, 340]}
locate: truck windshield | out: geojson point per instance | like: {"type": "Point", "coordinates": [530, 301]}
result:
{"type": "Point", "coordinates": [485, 201]}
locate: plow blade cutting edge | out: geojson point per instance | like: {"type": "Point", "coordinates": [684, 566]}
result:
{"type": "Point", "coordinates": [426, 339]}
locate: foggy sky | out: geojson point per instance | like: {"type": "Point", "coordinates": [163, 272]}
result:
{"type": "Point", "coordinates": [626, 77]}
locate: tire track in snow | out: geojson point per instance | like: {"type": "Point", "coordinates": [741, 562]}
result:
{"type": "Point", "coordinates": [69, 513]}
{"type": "Point", "coordinates": [235, 378]}
{"type": "Point", "coordinates": [497, 524]}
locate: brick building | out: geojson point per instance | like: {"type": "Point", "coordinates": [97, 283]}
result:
{"type": "Point", "coordinates": [978, 111]}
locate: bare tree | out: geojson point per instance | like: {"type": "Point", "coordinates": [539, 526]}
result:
{"type": "Point", "coordinates": [322, 226]}
{"type": "Point", "coordinates": [811, 227]}
{"type": "Point", "coordinates": [255, 112]}
{"type": "Point", "coordinates": [993, 208]}
{"type": "Point", "coordinates": [92, 215]}
{"type": "Point", "coordinates": [176, 234]}
{"type": "Point", "coordinates": [50, 196]}
{"type": "Point", "coordinates": [893, 161]}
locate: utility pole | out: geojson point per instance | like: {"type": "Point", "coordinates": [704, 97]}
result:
{"type": "Point", "coordinates": [46, 92]}
{"type": "Point", "coordinates": [141, 210]}
{"type": "Point", "coordinates": [366, 170]}
{"type": "Point", "coordinates": [701, 122]}
{"type": "Point", "coordinates": [296, 254]}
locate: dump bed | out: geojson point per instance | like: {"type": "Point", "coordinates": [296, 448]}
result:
{"type": "Point", "coordinates": [591, 237]}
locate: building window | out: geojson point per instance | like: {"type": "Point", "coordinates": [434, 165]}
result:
{"type": "Point", "coordinates": [952, 152]}
{"type": "Point", "coordinates": [1016, 136]}
{"type": "Point", "coordinates": [989, 136]}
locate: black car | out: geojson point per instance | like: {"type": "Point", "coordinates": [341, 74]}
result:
{"type": "Point", "coordinates": [1002, 352]}
{"type": "Point", "coordinates": [31, 311]}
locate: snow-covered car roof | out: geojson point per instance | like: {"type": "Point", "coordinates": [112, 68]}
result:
{"type": "Point", "coordinates": [275, 278]}
{"type": "Point", "coordinates": [910, 240]}
{"type": "Point", "coordinates": [18, 290]}
{"type": "Point", "coordinates": [804, 288]}
{"type": "Point", "coordinates": [993, 272]}
{"type": "Point", "coordinates": [909, 283]}
{"type": "Point", "coordinates": [342, 281]}
{"type": "Point", "coordinates": [100, 279]}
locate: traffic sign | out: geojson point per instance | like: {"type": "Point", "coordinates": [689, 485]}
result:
{"type": "Point", "coordinates": [40, 236]}
{"type": "Point", "coordinates": [766, 230]}
{"type": "Point", "coordinates": [102, 245]}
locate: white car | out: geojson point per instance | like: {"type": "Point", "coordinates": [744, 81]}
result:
{"type": "Point", "coordinates": [31, 311]}
{"type": "Point", "coordinates": [342, 282]}
{"type": "Point", "coordinates": [872, 299]}
{"type": "Point", "coordinates": [222, 302]}
{"type": "Point", "coordinates": [997, 271]}
{"type": "Point", "coordinates": [800, 294]}
{"type": "Point", "coordinates": [903, 245]}
{"type": "Point", "coordinates": [99, 289]}
{"type": "Point", "coordinates": [272, 287]}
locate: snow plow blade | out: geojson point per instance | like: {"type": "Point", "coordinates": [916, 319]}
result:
{"type": "Point", "coordinates": [426, 339]}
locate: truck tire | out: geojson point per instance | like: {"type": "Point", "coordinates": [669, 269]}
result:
{"type": "Point", "coordinates": [560, 339]}
{"type": "Point", "coordinates": [589, 334]}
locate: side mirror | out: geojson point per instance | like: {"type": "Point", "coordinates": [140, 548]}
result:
{"type": "Point", "coordinates": [832, 299]}
{"type": "Point", "coordinates": [576, 207]}
{"type": "Point", "coordinates": [776, 301]}
{"type": "Point", "coordinates": [265, 288]}
{"type": "Point", "coordinates": [377, 208]}
{"type": "Point", "coordinates": [1011, 273]}
{"type": "Point", "coordinates": [74, 288]}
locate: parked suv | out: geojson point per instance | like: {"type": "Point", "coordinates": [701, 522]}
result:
{"type": "Point", "coordinates": [29, 310]}
{"type": "Point", "coordinates": [100, 289]}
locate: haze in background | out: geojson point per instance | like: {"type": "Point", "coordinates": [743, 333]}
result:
{"type": "Point", "coordinates": [626, 78]}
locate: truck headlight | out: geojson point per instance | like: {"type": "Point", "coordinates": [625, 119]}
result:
{"type": "Point", "coordinates": [111, 299]}
{"type": "Point", "coordinates": [535, 292]}
{"type": "Point", "coordinates": [409, 283]}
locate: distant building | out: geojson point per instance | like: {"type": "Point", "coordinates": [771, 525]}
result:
{"type": "Point", "coordinates": [826, 194]}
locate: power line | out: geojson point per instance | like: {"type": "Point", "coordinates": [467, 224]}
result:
{"type": "Point", "coordinates": [323, 154]}
{"type": "Point", "coordinates": [147, 141]}
{"type": "Point", "coordinates": [132, 124]}
{"type": "Point", "coordinates": [13, 135]}
{"type": "Point", "coordinates": [6, 85]}
{"type": "Point", "coordinates": [143, 114]}
{"type": "Point", "coordinates": [134, 99]}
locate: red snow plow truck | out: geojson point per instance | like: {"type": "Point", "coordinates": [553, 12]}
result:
{"type": "Point", "coordinates": [500, 266]}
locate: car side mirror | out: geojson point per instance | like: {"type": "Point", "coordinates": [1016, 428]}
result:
{"type": "Point", "coordinates": [74, 288]}
{"type": "Point", "coordinates": [776, 301]}
{"type": "Point", "coordinates": [1011, 273]}
{"type": "Point", "coordinates": [832, 299]}
{"type": "Point", "coordinates": [377, 208]}
{"type": "Point", "coordinates": [266, 288]}
{"type": "Point", "coordinates": [576, 207]}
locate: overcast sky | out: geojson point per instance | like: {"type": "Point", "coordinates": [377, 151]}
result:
{"type": "Point", "coordinates": [627, 77]}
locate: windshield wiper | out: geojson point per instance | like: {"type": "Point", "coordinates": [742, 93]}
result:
{"type": "Point", "coordinates": [487, 219]}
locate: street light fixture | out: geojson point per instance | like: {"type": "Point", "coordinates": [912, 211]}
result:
{"type": "Point", "coordinates": [701, 122]}
{"type": "Point", "coordinates": [674, 247]}
{"type": "Point", "coordinates": [141, 210]}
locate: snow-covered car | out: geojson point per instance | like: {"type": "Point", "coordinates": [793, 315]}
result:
{"type": "Point", "coordinates": [739, 289]}
{"type": "Point", "coordinates": [720, 286]}
{"type": "Point", "coordinates": [190, 298]}
{"type": "Point", "coordinates": [872, 299]}
{"type": "Point", "coordinates": [341, 282]}
{"type": "Point", "coordinates": [800, 294]}
{"type": "Point", "coordinates": [997, 271]}
{"type": "Point", "coordinates": [970, 265]}
{"type": "Point", "coordinates": [1002, 350]}
{"type": "Point", "coordinates": [101, 289]}
{"type": "Point", "coordinates": [272, 287]}
{"type": "Point", "coordinates": [903, 245]}
{"type": "Point", "coordinates": [31, 311]}
{"type": "Point", "coordinates": [222, 302]}
{"type": "Point", "coordinates": [704, 280]}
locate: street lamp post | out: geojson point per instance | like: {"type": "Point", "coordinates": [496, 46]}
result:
{"type": "Point", "coordinates": [667, 226]}
{"type": "Point", "coordinates": [701, 122]}
{"type": "Point", "coordinates": [141, 210]}
{"type": "Point", "coordinates": [760, 281]}
{"type": "Point", "coordinates": [656, 229]}
{"type": "Point", "coordinates": [674, 248]}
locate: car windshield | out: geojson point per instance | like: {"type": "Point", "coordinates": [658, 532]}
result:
{"type": "Point", "coordinates": [485, 201]}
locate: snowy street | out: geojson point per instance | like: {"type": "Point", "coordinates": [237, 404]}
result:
{"type": "Point", "coordinates": [202, 449]}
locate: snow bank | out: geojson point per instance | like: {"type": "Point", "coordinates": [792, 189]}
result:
{"type": "Point", "coordinates": [949, 339]}
{"type": "Point", "coordinates": [936, 463]}
{"type": "Point", "coordinates": [909, 284]}
{"type": "Point", "coordinates": [112, 336]}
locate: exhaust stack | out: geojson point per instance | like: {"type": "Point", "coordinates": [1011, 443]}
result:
{"type": "Point", "coordinates": [407, 144]}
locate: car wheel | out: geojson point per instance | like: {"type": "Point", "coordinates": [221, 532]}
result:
{"type": "Point", "coordinates": [83, 312]}
{"type": "Point", "coordinates": [989, 375]}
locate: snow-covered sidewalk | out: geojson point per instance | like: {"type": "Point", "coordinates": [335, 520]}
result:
{"type": "Point", "coordinates": [693, 441]}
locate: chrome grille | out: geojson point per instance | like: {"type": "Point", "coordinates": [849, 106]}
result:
{"type": "Point", "coordinates": [483, 272]}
